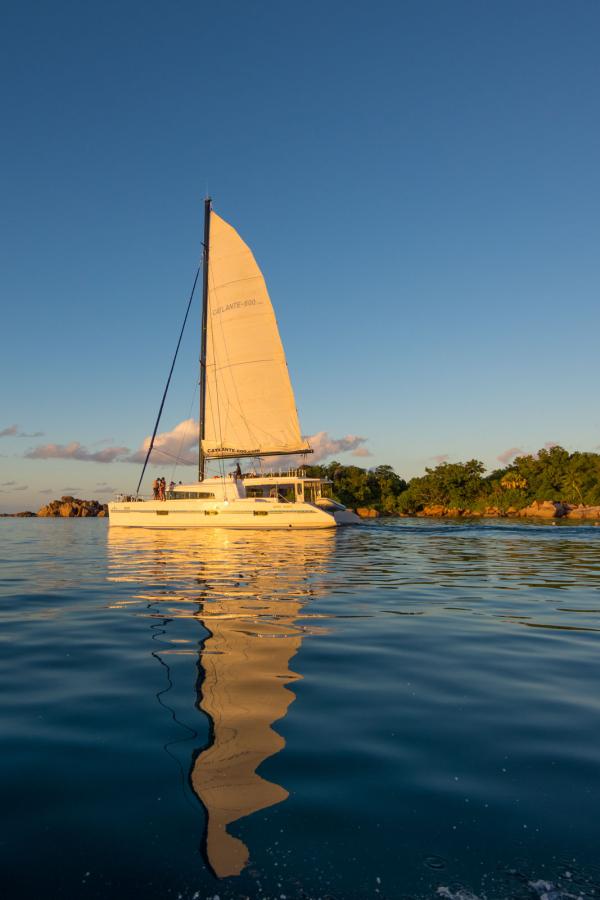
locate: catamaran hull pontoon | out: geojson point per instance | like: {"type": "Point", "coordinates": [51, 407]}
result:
{"type": "Point", "coordinates": [237, 515]}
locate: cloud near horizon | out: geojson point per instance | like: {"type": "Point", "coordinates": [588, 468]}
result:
{"type": "Point", "coordinates": [102, 487]}
{"type": "Point", "coordinates": [181, 443]}
{"type": "Point", "coordinates": [440, 458]}
{"type": "Point", "coordinates": [13, 431]}
{"type": "Point", "coordinates": [508, 455]}
{"type": "Point", "coordinates": [77, 451]}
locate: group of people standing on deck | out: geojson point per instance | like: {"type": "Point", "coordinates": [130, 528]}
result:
{"type": "Point", "coordinates": [159, 488]}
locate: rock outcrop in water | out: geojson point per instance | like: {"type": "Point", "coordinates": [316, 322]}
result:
{"type": "Point", "coordinates": [72, 507]}
{"type": "Point", "coordinates": [584, 512]}
{"type": "Point", "coordinates": [544, 509]}
{"type": "Point", "coordinates": [366, 512]}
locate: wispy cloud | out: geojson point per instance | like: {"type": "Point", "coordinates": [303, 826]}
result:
{"type": "Point", "coordinates": [508, 455]}
{"type": "Point", "coordinates": [73, 489]}
{"type": "Point", "coordinates": [550, 444]}
{"type": "Point", "coordinates": [440, 458]}
{"type": "Point", "coordinates": [13, 431]}
{"type": "Point", "coordinates": [7, 483]}
{"type": "Point", "coordinates": [18, 487]}
{"type": "Point", "coordinates": [77, 451]}
{"type": "Point", "coordinates": [103, 488]}
{"type": "Point", "coordinates": [47, 491]}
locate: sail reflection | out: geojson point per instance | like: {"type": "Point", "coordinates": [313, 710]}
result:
{"type": "Point", "coordinates": [248, 590]}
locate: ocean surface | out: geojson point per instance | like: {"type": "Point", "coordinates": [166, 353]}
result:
{"type": "Point", "coordinates": [405, 709]}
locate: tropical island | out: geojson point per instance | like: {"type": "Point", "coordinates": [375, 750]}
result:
{"type": "Point", "coordinates": [551, 483]}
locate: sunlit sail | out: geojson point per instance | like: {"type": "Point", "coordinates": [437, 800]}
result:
{"type": "Point", "coordinates": [250, 408]}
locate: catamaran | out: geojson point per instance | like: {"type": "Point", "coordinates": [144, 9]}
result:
{"type": "Point", "coordinates": [247, 411]}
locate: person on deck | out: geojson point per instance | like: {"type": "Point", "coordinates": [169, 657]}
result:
{"type": "Point", "coordinates": [171, 485]}
{"type": "Point", "coordinates": [238, 471]}
{"type": "Point", "coordinates": [155, 488]}
{"type": "Point", "coordinates": [161, 488]}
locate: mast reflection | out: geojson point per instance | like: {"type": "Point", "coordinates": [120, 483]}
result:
{"type": "Point", "coordinates": [248, 590]}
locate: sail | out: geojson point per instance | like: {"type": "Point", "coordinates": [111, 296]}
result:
{"type": "Point", "coordinates": [250, 408]}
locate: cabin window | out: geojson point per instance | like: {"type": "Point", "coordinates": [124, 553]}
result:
{"type": "Point", "coordinates": [326, 490]}
{"type": "Point", "coordinates": [254, 492]}
{"type": "Point", "coordinates": [300, 490]}
{"type": "Point", "coordinates": [189, 495]}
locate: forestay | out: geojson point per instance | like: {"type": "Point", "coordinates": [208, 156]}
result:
{"type": "Point", "coordinates": [250, 408]}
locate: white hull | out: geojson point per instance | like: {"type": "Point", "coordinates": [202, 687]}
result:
{"type": "Point", "coordinates": [239, 513]}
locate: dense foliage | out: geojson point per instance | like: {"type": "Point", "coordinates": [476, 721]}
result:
{"type": "Point", "coordinates": [378, 488]}
{"type": "Point", "coordinates": [550, 474]}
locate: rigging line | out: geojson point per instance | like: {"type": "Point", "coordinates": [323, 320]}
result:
{"type": "Point", "coordinates": [164, 397]}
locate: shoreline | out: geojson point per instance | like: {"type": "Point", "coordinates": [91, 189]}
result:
{"type": "Point", "coordinates": [545, 510]}
{"type": "Point", "coordinates": [539, 509]}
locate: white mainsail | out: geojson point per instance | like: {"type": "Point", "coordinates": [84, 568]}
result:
{"type": "Point", "coordinates": [250, 408]}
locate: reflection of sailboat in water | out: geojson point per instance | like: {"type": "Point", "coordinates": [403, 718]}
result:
{"type": "Point", "coordinates": [250, 601]}
{"type": "Point", "coordinates": [245, 665]}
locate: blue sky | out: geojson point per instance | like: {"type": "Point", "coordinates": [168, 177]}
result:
{"type": "Point", "coordinates": [419, 182]}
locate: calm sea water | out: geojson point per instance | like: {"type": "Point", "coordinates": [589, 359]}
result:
{"type": "Point", "coordinates": [403, 709]}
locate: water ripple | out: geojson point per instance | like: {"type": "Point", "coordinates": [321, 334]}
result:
{"type": "Point", "coordinates": [405, 709]}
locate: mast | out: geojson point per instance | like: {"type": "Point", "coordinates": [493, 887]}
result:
{"type": "Point", "coordinates": [201, 429]}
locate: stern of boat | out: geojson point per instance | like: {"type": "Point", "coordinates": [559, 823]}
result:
{"type": "Point", "coordinates": [340, 513]}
